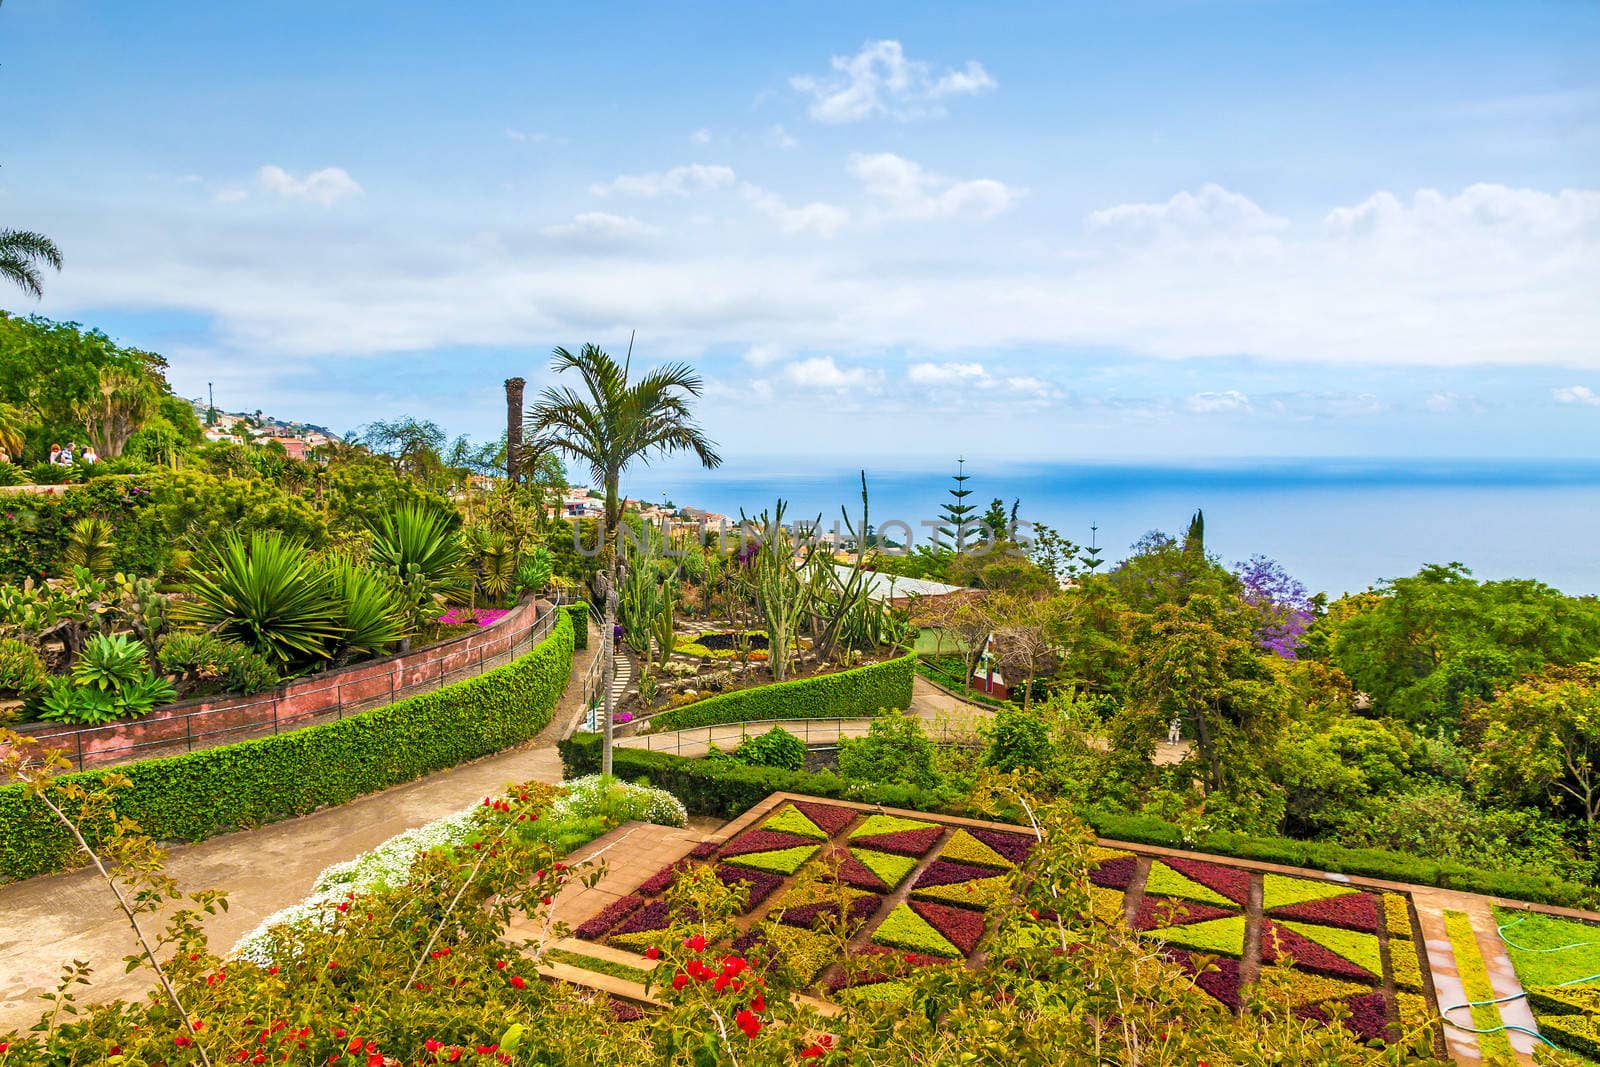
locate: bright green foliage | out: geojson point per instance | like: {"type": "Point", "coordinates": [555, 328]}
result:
{"type": "Point", "coordinates": [209, 664]}
{"type": "Point", "coordinates": [1017, 739]}
{"type": "Point", "coordinates": [803, 954]}
{"type": "Point", "coordinates": [873, 825]}
{"type": "Point", "coordinates": [858, 693]}
{"type": "Point", "coordinates": [889, 867]}
{"type": "Point", "coordinates": [614, 968]}
{"type": "Point", "coordinates": [790, 820]}
{"type": "Point", "coordinates": [1541, 738]}
{"type": "Point", "coordinates": [964, 848]}
{"type": "Point", "coordinates": [1475, 981]}
{"type": "Point", "coordinates": [109, 662]}
{"type": "Point", "coordinates": [982, 893]}
{"type": "Point", "coordinates": [1357, 947]}
{"type": "Point", "coordinates": [775, 748]}
{"type": "Point", "coordinates": [1530, 937]}
{"type": "Point", "coordinates": [21, 670]}
{"type": "Point", "coordinates": [1215, 936]}
{"type": "Point", "coordinates": [419, 546]}
{"type": "Point", "coordinates": [266, 593]}
{"type": "Point", "coordinates": [371, 614]}
{"type": "Point", "coordinates": [1279, 891]}
{"type": "Point", "coordinates": [215, 790]}
{"type": "Point", "coordinates": [535, 570]}
{"type": "Point", "coordinates": [780, 861]}
{"type": "Point", "coordinates": [906, 929]}
{"type": "Point", "coordinates": [89, 546]}
{"type": "Point", "coordinates": [896, 749]}
{"type": "Point", "coordinates": [578, 615]}
{"type": "Point", "coordinates": [1166, 882]}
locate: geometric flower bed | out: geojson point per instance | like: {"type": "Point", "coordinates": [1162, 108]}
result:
{"type": "Point", "coordinates": [914, 891]}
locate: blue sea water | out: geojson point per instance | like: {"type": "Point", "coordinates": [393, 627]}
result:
{"type": "Point", "coordinates": [1339, 526]}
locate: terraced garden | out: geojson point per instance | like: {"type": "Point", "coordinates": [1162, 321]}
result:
{"type": "Point", "coordinates": [920, 891]}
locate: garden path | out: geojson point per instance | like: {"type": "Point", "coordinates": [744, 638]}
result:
{"type": "Point", "coordinates": [49, 920]}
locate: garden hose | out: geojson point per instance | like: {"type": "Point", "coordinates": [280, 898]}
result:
{"type": "Point", "coordinates": [1501, 930]}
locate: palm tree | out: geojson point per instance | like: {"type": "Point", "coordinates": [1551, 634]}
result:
{"type": "Point", "coordinates": [609, 425]}
{"type": "Point", "coordinates": [21, 254]}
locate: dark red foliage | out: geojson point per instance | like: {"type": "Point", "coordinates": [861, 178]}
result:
{"type": "Point", "coordinates": [1014, 847]}
{"type": "Point", "coordinates": [1353, 911]}
{"type": "Point", "coordinates": [830, 818]}
{"type": "Point", "coordinates": [1114, 873]}
{"type": "Point", "coordinates": [945, 872]}
{"type": "Point", "coordinates": [703, 851]}
{"type": "Point", "coordinates": [811, 916]}
{"type": "Point", "coordinates": [853, 872]}
{"type": "Point", "coordinates": [762, 884]}
{"type": "Point", "coordinates": [962, 928]}
{"type": "Point", "coordinates": [623, 1012]}
{"type": "Point", "coordinates": [655, 915]}
{"type": "Point", "coordinates": [1231, 882]}
{"type": "Point", "coordinates": [748, 940]}
{"type": "Point", "coordinates": [1369, 1017]}
{"type": "Point", "coordinates": [901, 842]}
{"type": "Point", "coordinates": [762, 841]}
{"type": "Point", "coordinates": [1308, 955]}
{"type": "Point", "coordinates": [657, 883]}
{"type": "Point", "coordinates": [1221, 978]}
{"type": "Point", "coordinates": [1156, 913]}
{"type": "Point", "coordinates": [596, 926]}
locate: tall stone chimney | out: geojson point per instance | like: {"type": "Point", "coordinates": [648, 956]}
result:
{"type": "Point", "coordinates": [514, 387]}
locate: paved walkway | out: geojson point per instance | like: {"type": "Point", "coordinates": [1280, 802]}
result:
{"type": "Point", "coordinates": [51, 919]}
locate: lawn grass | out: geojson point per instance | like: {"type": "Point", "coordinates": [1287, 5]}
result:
{"type": "Point", "coordinates": [597, 965]}
{"type": "Point", "coordinates": [1535, 931]}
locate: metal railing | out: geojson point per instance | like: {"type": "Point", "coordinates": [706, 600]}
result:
{"type": "Point", "coordinates": [286, 709]}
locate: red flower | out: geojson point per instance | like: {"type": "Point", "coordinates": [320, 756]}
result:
{"type": "Point", "coordinates": [652, 953]}
{"type": "Point", "coordinates": [455, 1053]}
{"type": "Point", "coordinates": [499, 965]}
{"type": "Point", "coordinates": [759, 1004]}
{"type": "Point", "coordinates": [518, 982]}
{"type": "Point", "coordinates": [339, 1032]}
{"type": "Point", "coordinates": [182, 1041]}
{"type": "Point", "coordinates": [272, 970]}
{"type": "Point", "coordinates": [345, 906]}
{"type": "Point", "coordinates": [746, 1020]}
{"type": "Point", "coordinates": [375, 1060]}
{"type": "Point", "coordinates": [432, 1045]}
{"type": "Point", "coordinates": [697, 943]}
{"type": "Point", "coordinates": [680, 980]}
{"type": "Point", "coordinates": [485, 1050]}
{"type": "Point", "coordinates": [814, 1052]}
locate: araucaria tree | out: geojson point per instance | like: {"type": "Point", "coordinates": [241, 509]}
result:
{"type": "Point", "coordinates": [610, 424]}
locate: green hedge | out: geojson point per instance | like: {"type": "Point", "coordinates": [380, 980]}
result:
{"type": "Point", "coordinates": [200, 794]}
{"type": "Point", "coordinates": [579, 614]}
{"type": "Point", "coordinates": [725, 789]}
{"type": "Point", "coordinates": [858, 693]}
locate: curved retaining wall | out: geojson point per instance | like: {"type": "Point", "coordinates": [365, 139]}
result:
{"type": "Point", "coordinates": [319, 698]}
{"type": "Point", "coordinates": [214, 790]}
{"type": "Point", "coordinates": [860, 692]}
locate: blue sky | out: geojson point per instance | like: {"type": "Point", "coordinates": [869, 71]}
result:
{"type": "Point", "coordinates": [1058, 231]}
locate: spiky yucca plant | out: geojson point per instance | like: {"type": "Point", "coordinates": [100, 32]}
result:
{"type": "Point", "coordinates": [372, 611]}
{"type": "Point", "coordinates": [265, 592]}
{"type": "Point", "coordinates": [89, 545]}
{"type": "Point", "coordinates": [419, 546]}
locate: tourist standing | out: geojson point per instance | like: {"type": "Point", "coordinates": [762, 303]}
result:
{"type": "Point", "coordinates": [55, 455]}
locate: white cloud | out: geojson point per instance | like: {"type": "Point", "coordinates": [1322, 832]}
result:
{"type": "Point", "coordinates": [325, 186]}
{"type": "Point", "coordinates": [601, 226]}
{"type": "Point", "coordinates": [824, 220]}
{"type": "Point", "coordinates": [821, 372]}
{"type": "Point", "coordinates": [1211, 209]}
{"type": "Point", "coordinates": [779, 137]}
{"type": "Point", "coordinates": [880, 80]}
{"type": "Point", "coordinates": [1576, 394]}
{"type": "Point", "coordinates": [904, 190]}
{"type": "Point", "coordinates": [701, 136]}
{"type": "Point", "coordinates": [1228, 401]}
{"type": "Point", "coordinates": [762, 355]}
{"type": "Point", "coordinates": [946, 373]}
{"type": "Point", "coordinates": [529, 136]}
{"type": "Point", "coordinates": [679, 181]}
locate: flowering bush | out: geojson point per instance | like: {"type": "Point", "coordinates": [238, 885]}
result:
{"type": "Point", "coordinates": [595, 795]}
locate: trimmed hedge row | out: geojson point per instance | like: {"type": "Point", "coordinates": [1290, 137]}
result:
{"type": "Point", "coordinates": [579, 614]}
{"type": "Point", "coordinates": [215, 790]}
{"type": "Point", "coordinates": [858, 693]}
{"type": "Point", "coordinates": [724, 788]}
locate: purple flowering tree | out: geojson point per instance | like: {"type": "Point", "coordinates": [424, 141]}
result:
{"type": "Point", "coordinates": [1280, 599]}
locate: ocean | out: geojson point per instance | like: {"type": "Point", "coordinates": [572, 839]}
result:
{"type": "Point", "coordinates": [1337, 525]}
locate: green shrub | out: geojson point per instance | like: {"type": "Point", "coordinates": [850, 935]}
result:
{"type": "Point", "coordinates": [1017, 739]}
{"type": "Point", "coordinates": [212, 791]}
{"type": "Point", "coordinates": [579, 614]}
{"type": "Point", "coordinates": [775, 748]}
{"type": "Point", "coordinates": [21, 670]}
{"type": "Point", "coordinates": [896, 749]}
{"type": "Point", "coordinates": [209, 664]}
{"type": "Point", "coordinates": [854, 694]}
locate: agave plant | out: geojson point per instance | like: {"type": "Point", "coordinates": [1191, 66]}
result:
{"type": "Point", "coordinates": [372, 611]}
{"type": "Point", "coordinates": [265, 592]}
{"type": "Point", "coordinates": [109, 662]}
{"type": "Point", "coordinates": [89, 546]}
{"type": "Point", "coordinates": [419, 546]}
{"type": "Point", "coordinates": [535, 570]}
{"type": "Point", "coordinates": [495, 559]}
